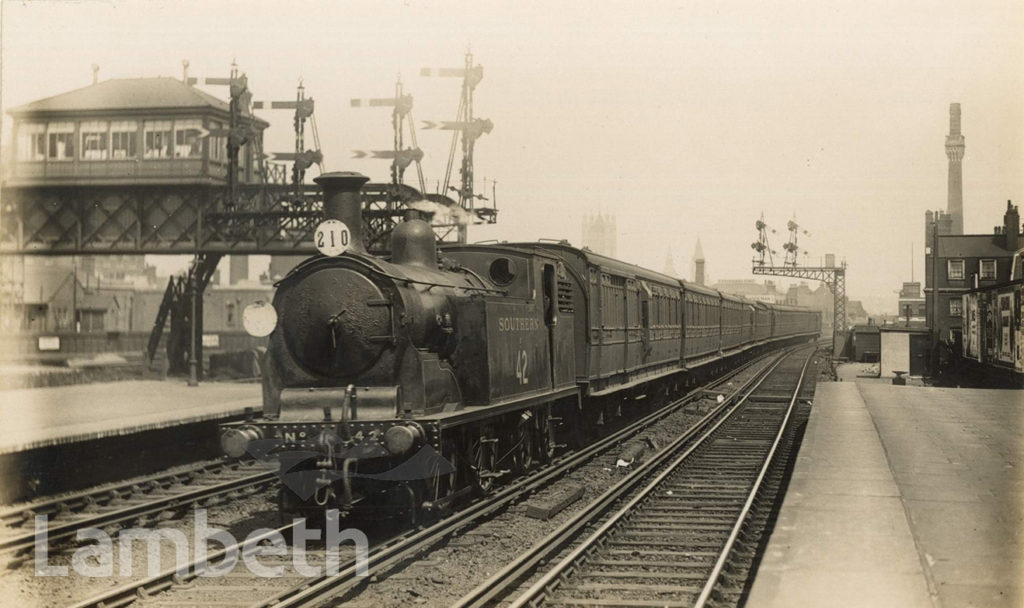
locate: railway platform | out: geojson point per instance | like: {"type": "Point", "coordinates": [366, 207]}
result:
{"type": "Point", "coordinates": [901, 496]}
{"type": "Point", "coordinates": [66, 437]}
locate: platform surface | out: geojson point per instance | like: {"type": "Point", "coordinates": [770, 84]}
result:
{"type": "Point", "coordinates": [38, 417]}
{"type": "Point", "coordinates": [902, 496]}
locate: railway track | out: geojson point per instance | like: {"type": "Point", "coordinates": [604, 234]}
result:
{"type": "Point", "coordinates": [689, 534]}
{"type": "Point", "coordinates": [139, 502]}
{"type": "Point", "coordinates": [187, 587]}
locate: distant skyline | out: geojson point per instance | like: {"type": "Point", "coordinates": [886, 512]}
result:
{"type": "Point", "coordinates": [681, 119]}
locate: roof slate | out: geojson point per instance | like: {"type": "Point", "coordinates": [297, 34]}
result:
{"type": "Point", "coordinates": [972, 246]}
{"type": "Point", "coordinates": [125, 94]}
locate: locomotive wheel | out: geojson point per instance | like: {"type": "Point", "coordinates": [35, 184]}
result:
{"type": "Point", "coordinates": [525, 446]}
{"type": "Point", "coordinates": [446, 484]}
{"type": "Point", "coordinates": [547, 435]}
{"type": "Point", "coordinates": [483, 458]}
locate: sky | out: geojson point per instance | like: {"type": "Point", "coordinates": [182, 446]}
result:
{"type": "Point", "coordinates": [683, 119]}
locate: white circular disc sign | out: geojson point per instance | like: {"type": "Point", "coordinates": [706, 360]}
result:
{"type": "Point", "coordinates": [331, 237]}
{"type": "Point", "coordinates": [259, 319]}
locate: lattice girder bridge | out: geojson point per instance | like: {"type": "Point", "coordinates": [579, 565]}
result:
{"type": "Point", "coordinates": [182, 219]}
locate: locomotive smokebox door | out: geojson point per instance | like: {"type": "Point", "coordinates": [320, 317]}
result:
{"type": "Point", "coordinates": [337, 322]}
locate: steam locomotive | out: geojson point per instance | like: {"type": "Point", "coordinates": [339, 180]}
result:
{"type": "Point", "coordinates": [402, 384]}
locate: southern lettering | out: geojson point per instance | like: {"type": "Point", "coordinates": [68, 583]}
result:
{"type": "Point", "coordinates": [518, 323]}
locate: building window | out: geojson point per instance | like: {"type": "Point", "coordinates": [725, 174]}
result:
{"type": "Point", "coordinates": [988, 269]}
{"type": "Point", "coordinates": [229, 314]}
{"type": "Point", "coordinates": [61, 140]}
{"type": "Point", "coordinates": [955, 270]}
{"type": "Point", "coordinates": [188, 142]}
{"type": "Point", "coordinates": [32, 141]}
{"type": "Point", "coordinates": [123, 138]}
{"type": "Point", "coordinates": [218, 143]}
{"type": "Point", "coordinates": [94, 140]}
{"type": "Point", "coordinates": [158, 139]}
{"type": "Point", "coordinates": [955, 309]}
{"type": "Point", "coordinates": [92, 320]}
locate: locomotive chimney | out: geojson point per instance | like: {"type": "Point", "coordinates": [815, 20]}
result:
{"type": "Point", "coordinates": [343, 201]}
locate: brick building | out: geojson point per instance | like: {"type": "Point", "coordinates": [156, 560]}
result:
{"type": "Point", "coordinates": [956, 263]}
{"type": "Point", "coordinates": [911, 308]}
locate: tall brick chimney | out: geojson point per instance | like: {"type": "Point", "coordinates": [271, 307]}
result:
{"type": "Point", "coordinates": [955, 154]}
{"type": "Point", "coordinates": [1011, 227]}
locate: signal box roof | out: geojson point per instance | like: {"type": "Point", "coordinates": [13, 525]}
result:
{"type": "Point", "coordinates": [126, 94]}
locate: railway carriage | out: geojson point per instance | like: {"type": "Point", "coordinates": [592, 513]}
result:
{"type": "Point", "coordinates": [762, 322]}
{"type": "Point", "coordinates": [702, 323]}
{"type": "Point", "coordinates": [789, 320]}
{"type": "Point", "coordinates": [629, 327]}
{"type": "Point", "coordinates": [736, 322]}
{"type": "Point", "coordinates": [402, 384]}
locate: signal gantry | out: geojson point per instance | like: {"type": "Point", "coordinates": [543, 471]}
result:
{"type": "Point", "coordinates": [832, 275]}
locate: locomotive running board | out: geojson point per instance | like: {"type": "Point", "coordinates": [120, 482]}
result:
{"type": "Point", "coordinates": [474, 413]}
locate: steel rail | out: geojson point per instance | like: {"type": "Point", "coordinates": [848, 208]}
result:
{"type": "Point", "coordinates": [308, 592]}
{"type": "Point", "coordinates": [705, 594]}
{"type": "Point", "coordinates": [145, 588]}
{"type": "Point", "coordinates": [77, 501]}
{"type": "Point", "coordinates": [69, 529]}
{"type": "Point", "coordinates": [496, 585]}
{"type": "Point", "coordinates": [168, 579]}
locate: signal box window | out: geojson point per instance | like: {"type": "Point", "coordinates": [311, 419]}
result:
{"type": "Point", "coordinates": [94, 140]}
{"type": "Point", "coordinates": [988, 269]}
{"type": "Point", "coordinates": [158, 139]}
{"type": "Point", "coordinates": [218, 143]}
{"type": "Point", "coordinates": [187, 142]}
{"type": "Point", "coordinates": [955, 270]}
{"type": "Point", "coordinates": [123, 137]}
{"type": "Point", "coordinates": [32, 141]}
{"type": "Point", "coordinates": [61, 140]}
{"type": "Point", "coordinates": [955, 309]}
